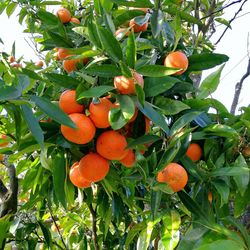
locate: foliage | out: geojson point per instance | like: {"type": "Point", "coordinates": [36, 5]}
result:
{"type": "Point", "coordinates": [128, 209]}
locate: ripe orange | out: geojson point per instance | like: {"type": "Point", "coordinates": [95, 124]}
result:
{"type": "Point", "coordinates": [129, 160]}
{"type": "Point", "coordinates": [76, 177]}
{"type": "Point", "coordinates": [138, 28]}
{"type": "Point", "coordinates": [4, 144]}
{"type": "Point", "coordinates": [16, 65]}
{"type": "Point", "coordinates": [210, 197]}
{"type": "Point", "coordinates": [177, 59]}
{"type": "Point", "coordinates": [85, 131]}
{"type": "Point", "coordinates": [11, 59]}
{"type": "Point", "coordinates": [64, 15]}
{"type": "Point", "coordinates": [174, 175]}
{"type": "Point", "coordinates": [126, 86]}
{"type": "Point", "coordinates": [194, 152]}
{"type": "Point", "coordinates": [63, 53]}
{"type": "Point", "coordinates": [99, 113]}
{"type": "Point", "coordinates": [70, 65]}
{"type": "Point", "coordinates": [75, 20]}
{"type": "Point", "coordinates": [39, 64]}
{"type": "Point", "coordinates": [93, 167]}
{"type": "Point", "coordinates": [68, 103]}
{"type": "Point", "coordinates": [111, 145]}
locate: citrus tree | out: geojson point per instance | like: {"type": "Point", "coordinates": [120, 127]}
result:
{"type": "Point", "coordinates": [107, 143]}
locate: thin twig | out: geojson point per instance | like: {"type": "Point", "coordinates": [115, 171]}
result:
{"type": "Point", "coordinates": [238, 88]}
{"type": "Point", "coordinates": [229, 23]}
{"type": "Point", "coordinates": [57, 227]}
{"type": "Point", "coordinates": [221, 9]}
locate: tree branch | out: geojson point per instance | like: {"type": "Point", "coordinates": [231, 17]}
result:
{"type": "Point", "coordinates": [9, 204]}
{"type": "Point", "coordinates": [235, 15]}
{"type": "Point", "coordinates": [94, 227]}
{"type": "Point", "coordinates": [3, 190]}
{"type": "Point", "coordinates": [238, 88]}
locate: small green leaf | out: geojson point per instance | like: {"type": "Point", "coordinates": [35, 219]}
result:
{"type": "Point", "coordinates": [59, 176]}
{"type": "Point", "coordinates": [198, 62]}
{"type": "Point", "coordinates": [134, 3]}
{"type": "Point", "coordinates": [170, 106]}
{"type": "Point", "coordinates": [95, 92]}
{"type": "Point", "coordinates": [131, 50]}
{"type": "Point", "coordinates": [156, 21]}
{"type": "Point", "coordinates": [156, 70]}
{"type": "Point", "coordinates": [143, 140]}
{"type": "Point", "coordinates": [53, 111]}
{"type": "Point", "coordinates": [62, 80]}
{"type": "Point", "coordinates": [158, 85]}
{"type": "Point", "coordinates": [230, 171]}
{"type": "Point", "coordinates": [127, 106]}
{"type": "Point", "coordinates": [221, 130]}
{"type": "Point", "coordinates": [221, 244]}
{"type": "Point", "coordinates": [46, 234]}
{"type": "Point", "coordinates": [155, 202]}
{"type": "Point", "coordinates": [134, 231]}
{"type": "Point", "coordinates": [116, 118]}
{"type": "Point", "coordinates": [110, 44]}
{"type": "Point", "coordinates": [93, 35]}
{"type": "Point", "coordinates": [33, 124]}
{"type": "Point", "coordinates": [11, 8]}
{"type": "Point", "coordinates": [105, 70]}
{"type": "Point", "coordinates": [223, 190]}
{"type": "Point", "coordinates": [210, 84]}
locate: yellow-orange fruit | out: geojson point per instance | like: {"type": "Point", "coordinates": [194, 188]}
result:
{"type": "Point", "coordinates": [129, 160]}
{"type": "Point", "coordinates": [64, 15]}
{"type": "Point", "coordinates": [194, 152]}
{"type": "Point", "coordinates": [138, 28]}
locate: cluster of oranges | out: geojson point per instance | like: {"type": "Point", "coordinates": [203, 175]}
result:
{"type": "Point", "coordinates": [110, 145]}
{"type": "Point", "coordinates": [14, 64]}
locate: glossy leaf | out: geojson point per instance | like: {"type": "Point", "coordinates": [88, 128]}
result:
{"type": "Point", "coordinates": [131, 50]}
{"type": "Point", "coordinates": [95, 92]}
{"type": "Point", "coordinates": [53, 111]}
{"type": "Point", "coordinates": [156, 70]}
{"type": "Point", "coordinates": [105, 70]}
{"type": "Point", "coordinates": [156, 21]}
{"type": "Point", "coordinates": [46, 234]}
{"type": "Point", "coordinates": [143, 140]}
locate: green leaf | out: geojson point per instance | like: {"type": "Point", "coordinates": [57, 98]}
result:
{"type": "Point", "coordinates": [144, 237]}
{"type": "Point", "coordinates": [221, 244]}
{"type": "Point", "coordinates": [107, 5]}
{"type": "Point", "coordinates": [116, 118]}
{"type": "Point", "coordinates": [168, 156]}
{"type": "Point", "coordinates": [173, 10]}
{"type": "Point", "coordinates": [143, 140]}
{"type": "Point", "coordinates": [156, 21]}
{"type": "Point", "coordinates": [60, 41]}
{"type": "Point", "coordinates": [210, 84]}
{"type": "Point", "coordinates": [95, 92]}
{"type": "Point", "coordinates": [140, 94]}
{"type": "Point", "coordinates": [156, 70]}
{"type": "Point", "coordinates": [223, 21]}
{"type": "Point", "coordinates": [131, 50]}
{"type": "Point", "coordinates": [105, 70]}
{"type": "Point", "coordinates": [31, 74]}
{"type": "Point", "coordinates": [155, 202]}
{"type": "Point", "coordinates": [11, 8]}
{"type": "Point", "coordinates": [153, 115]}
{"type": "Point", "coordinates": [53, 111]}
{"type": "Point", "coordinates": [170, 231]}
{"type": "Point", "coordinates": [9, 92]}
{"type": "Point", "coordinates": [134, 3]}
{"type": "Point", "coordinates": [62, 80]}
{"type": "Point", "coordinates": [93, 35]}
{"type": "Point", "coordinates": [59, 176]}
{"type": "Point", "coordinates": [241, 180]}
{"type": "Point", "coordinates": [134, 231]}
{"type": "Point", "coordinates": [183, 121]}
{"type": "Point", "coordinates": [223, 190]}
{"type": "Point", "coordinates": [198, 62]}
{"type": "Point", "coordinates": [47, 17]}
{"type": "Point", "coordinates": [33, 124]}
{"type": "Point", "coordinates": [221, 130]}
{"type": "Point", "coordinates": [241, 202]}
{"type": "Point", "coordinates": [170, 106]}
{"type": "Point", "coordinates": [110, 44]}
{"type": "Point", "coordinates": [156, 86]}
{"type": "Point", "coordinates": [4, 227]}
{"type": "Point", "coordinates": [127, 106]}
{"type": "Point", "coordinates": [230, 171]}
{"type": "Point", "coordinates": [192, 206]}
{"type": "Point", "coordinates": [46, 234]}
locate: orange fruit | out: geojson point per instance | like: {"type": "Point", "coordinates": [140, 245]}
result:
{"type": "Point", "coordinates": [210, 197]}
{"type": "Point", "coordinates": [111, 145]}
{"type": "Point", "coordinates": [174, 175]}
{"type": "Point", "coordinates": [85, 131]}
{"type": "Point", "coordinates": [75, 20]}
{"type": "Point", "coordinates": [68, 103]}
{"type": "Point", "coordinates": [63, 53]}
{"type": "Point", "coordinates": [125, 85]}
{"type": "Point", "coordinates": [70, 65]}
{"type": "Point", "coordinates": [178, 60]}
{"type": "Point", "coordinates": [39, 64]}
{"type": "Point", "coordinates": [129, 160]}
{"type": "Point", "coordinates": [64, 15]}
{"type": "Point", "coordinates": [99, 112]}
{"type": "Point", "coordinates": [194, 152]}
{"type": "Point", "coordinates": [132, 119]}
{"type": "Point", "coordinates": [93, 167]}
{"type": "Point", "coordinates": [16, 65]}
{"type": "Point", "coordinates": [76, 177]}
{"type": "Point", "coordinates": [11, 59]}
{"type": "Point", "coordinates": [4, 144]}
{"type": "Point", "coordinates": [138, 28]}
{"type": "Point", "coordinates": [1, 157]}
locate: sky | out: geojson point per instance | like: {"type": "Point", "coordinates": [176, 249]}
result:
{"type": "Point", "coordinates": [233, 44]}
